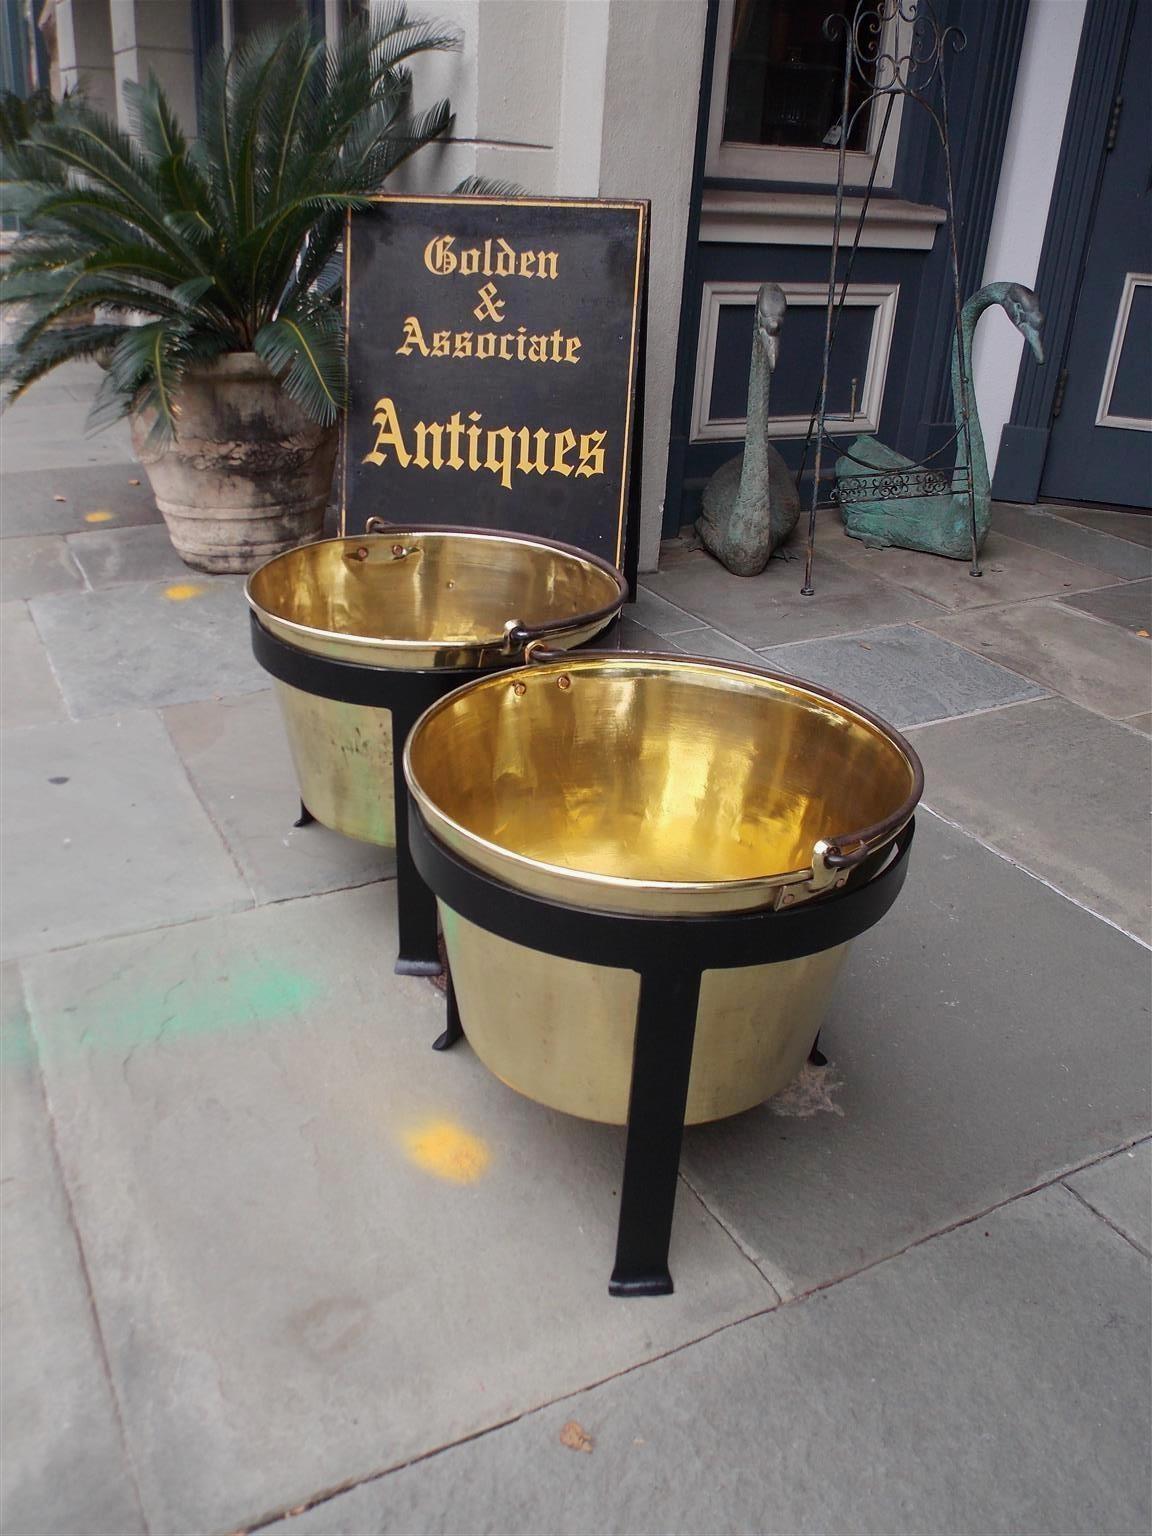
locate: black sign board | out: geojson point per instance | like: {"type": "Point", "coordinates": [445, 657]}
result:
{"type": "Point", "coordinates": [495, 354]}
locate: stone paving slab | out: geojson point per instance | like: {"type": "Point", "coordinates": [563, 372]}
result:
{"type": "Point", "coordinates": [1013, 571]}
{"type": "Point", "coordinates": [47, 431]}
{"type": "Point", "coordinates": [905, 674]}
{"type": "Point", "coordinates": [1120, 1188]}
{"type": "Point", "coordinates": [659, 615]}
{"type": "Point", "coordinates": [150, 644]}
{"type": "Point", "coordinates": [110, 557]}
{"type": "Point", "coordinates": [1141, 723]}
{"type": "Point", "coordinates": [986, 1036]}
{"type": "Point", "coordinates": [628, 635]}
{"type": "Point", "coordinates": [64, 1467]}
{"type": "Point", "coordinates": [1097, 666]}
{"type": "Point", "coordinates": [1019, 779]}
{"type": "Point", "coordinates": [30, 694]}
{"type": "Point", "coordinates": [1122, 525]}
{"type": "Point", "coordinates": [103, 834]}
{"type": "Point", "coordinates": [710, 642]}
{"type": "Point", "coordinates": [318, 1248]}
{"type": "Point", "coordinates": [1129, 605]}
{"type": "Point", "coordinates": [238, 759]}
{"type": "Point", "coordinates": [1089, 546]}
{"type": "Point", "coordinates": [35, 566]}
{"type": "Point", "coordinates": [98, 495]}
{"type": "Point", "coordinates": [768, 609]}
{"type": "Point", "coordinates": [993, 1381]}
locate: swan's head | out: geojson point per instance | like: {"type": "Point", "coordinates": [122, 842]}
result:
{"type": "Point", "coordinates": [770, 308]}
{"type": "Point", "coordinates": [1023, 309]}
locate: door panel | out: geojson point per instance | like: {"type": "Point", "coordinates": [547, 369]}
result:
{"type": "Point", "coordinates": [1100, 448]}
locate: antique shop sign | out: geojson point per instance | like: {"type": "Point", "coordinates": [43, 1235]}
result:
{"type": "Point", "coordinates": [494, 351]}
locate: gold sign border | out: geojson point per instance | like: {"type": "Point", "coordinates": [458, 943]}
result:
{"type": "Point", "coordinates": [640, 209]}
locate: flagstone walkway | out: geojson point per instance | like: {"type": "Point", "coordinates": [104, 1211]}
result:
{"type": "Point", "coordinates": [269, 1261]}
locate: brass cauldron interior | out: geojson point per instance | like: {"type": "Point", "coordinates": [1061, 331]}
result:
{"type": "Point", "coordinates": [641, 784]}
{"type": "Point", "coordinates": [429, 597]}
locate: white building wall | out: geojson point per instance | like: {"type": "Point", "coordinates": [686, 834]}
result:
{"type": "Point", "coordinates": [584, 98]}
{"type": "Point", "coordinates": [1032, 148]}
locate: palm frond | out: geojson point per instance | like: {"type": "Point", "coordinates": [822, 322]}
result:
{"type": "Point", "coordinates": [484, 186]}
{"type": "Point", "coordinates": [229, 242]}
{"type": "Point", "coordinates": [305, 349]}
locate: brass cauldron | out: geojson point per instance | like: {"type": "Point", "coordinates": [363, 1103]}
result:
{"type": "Point", "coordinates": [654, 785]}
{"type": "Point", "coordinates": [411, 600]}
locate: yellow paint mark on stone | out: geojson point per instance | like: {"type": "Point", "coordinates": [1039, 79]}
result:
{"type": "Point", "coordinates": [447, 1151]}
{"type": "Point", "coordinates": [181, 591]}
{"type": "Point", "coordinates": [99, 517]}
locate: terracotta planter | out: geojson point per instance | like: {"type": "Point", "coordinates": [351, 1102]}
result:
{"type": "Point", "coordinates": [246, 476]}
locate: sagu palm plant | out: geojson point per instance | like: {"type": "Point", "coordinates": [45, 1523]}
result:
{"type": "Point", "coordinates": [188, 251]}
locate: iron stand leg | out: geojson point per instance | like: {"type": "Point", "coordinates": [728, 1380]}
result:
{"type": "Point", "coordinates": [305, 818]}
{"type": "Point", "coordinates": [415, 903]}
{"type": "Point", "coordinates": [453, 1029]}
{"type": "Point", "coordinates": [661, 1062]}
{"type": "Point", "coordinates": [816, 1056]}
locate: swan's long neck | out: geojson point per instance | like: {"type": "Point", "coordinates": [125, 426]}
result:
{"type": "Point", "coordinates": [962, 351]}
{"type": "Point", "coordinates": [752, 476]}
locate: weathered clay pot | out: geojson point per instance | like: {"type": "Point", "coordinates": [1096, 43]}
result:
{"type": "Point", "coordinates": [246, 475]}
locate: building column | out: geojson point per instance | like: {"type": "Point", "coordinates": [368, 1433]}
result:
{"type": "Point", "coordinates": [84, 50]}
{"type": "Point", "coordinates": [154, 36]}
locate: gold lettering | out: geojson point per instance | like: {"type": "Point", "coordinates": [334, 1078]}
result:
{"type": "Point", "coordinates": [500, 463]}
{"type": "Point", "coordinates": [442, 343]}
{"type": "Point", "coordinates": [413, 337]}
{"type": "Point", "coordinates": [463, 442]}
{"type": "Point", "coordinates": [473, 435]}
{"type": "Point", "coordinates": [433, 434]}
{"type": "Point", "coordinates": [489, 307]}
{"type": "Point", "coordinates": [463, 347]}
{"type": "Point", "coordinates": [503, 260]}
{"type": "Point", "coordinates": [485, 344]}
{"type": "Point", "coordinates": [525, 464]}
{"type": "Point", "coordinates": [562, 445]}
{"type": "Point", "coordinates": [438, 255]}
{"type": "Point", "coordinates": [506, 347]}
{"type": "Point", "coordinates": [455, 429]}
{"type": "Point", "coordinates": [591, 454]}
{"type": "Point", "coordinates": [571, 348]}
{"type": "Point", "coordinates": [389, 435]}
{"type": "Point", "coordinates": [537, 349]}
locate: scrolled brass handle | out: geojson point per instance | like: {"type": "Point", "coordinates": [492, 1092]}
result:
{"type": "Point", "coordinates": [376, 525]}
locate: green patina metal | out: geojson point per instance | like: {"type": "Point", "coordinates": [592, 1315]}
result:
{"type": "Point", "coordinates": [887, 499]}
{"type": "Point", "coordinates": [750, 503]}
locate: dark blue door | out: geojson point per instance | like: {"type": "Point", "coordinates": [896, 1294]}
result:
{"type": "Point", "coordinates": [1100, 448]}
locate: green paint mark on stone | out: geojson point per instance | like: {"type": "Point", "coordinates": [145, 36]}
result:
{"type": "Point", "coordinates": [125, 1014]}
{"type": "Point", "coordinates": [16, 1047]}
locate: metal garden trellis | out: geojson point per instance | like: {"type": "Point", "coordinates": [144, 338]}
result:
{"type": "Point", "coordinates": [896, 50]}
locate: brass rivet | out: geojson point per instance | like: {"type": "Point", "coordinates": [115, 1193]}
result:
{"type": "Point", "coordinates": [519, 688]}
{"type": "Point", "coordinates": [362, 553]}
{"type": "Point", "coordinates": [398, 550]}
{"type": "Point", "coordinates": [564, 681]}
{"type": "Point", "coordinates": [451, 584]}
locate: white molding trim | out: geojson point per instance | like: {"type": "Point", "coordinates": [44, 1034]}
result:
{"type": "Point", "coordinates": [805, 218]}
{"type": "Point", "coordinates": [882, 298]}
{"type": "Point", "coordinates": [1104, 416]}
{"type": "Point", "coordinates": [775, 162]}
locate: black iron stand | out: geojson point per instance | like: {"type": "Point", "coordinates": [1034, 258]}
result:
{"type": "Point", "coordinates": [671, 954]}
{"type": "Point", "coordinates": [406, 695]}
